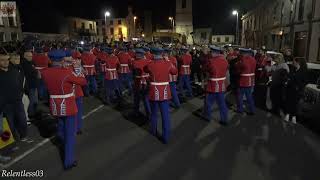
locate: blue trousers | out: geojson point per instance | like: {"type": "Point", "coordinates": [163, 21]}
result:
{"type": "Point", "coordinates": [42, 90]}
{"type": "Point", "coordinates": [66, 132]}
{"type": "Point", "coordinates": [91, 86]}
{"type": "Point", "coordinates": [33, 98]}
{"type": "Point", "coordinates": [138, 95]}
{"type": "Point", "coordinates": [79, 102]}
{"type": "Point", "coordinates": [208, 103]}
{"type": "Point", "coordinates": [175, 98]}
{"type": "Point", "coordinates": [164, 109]}
{"type": "Point", "coordinates": [125, 81]}
{"type": "Point", "coordinates": [111, 89]}
{"type": "Point", "coordinates": [184, 82]}
{"type": "Point", "coordinates": [246, 91]}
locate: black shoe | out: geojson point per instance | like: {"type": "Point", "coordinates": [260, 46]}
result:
{"type": "Point", "coordinates": [251, 113]}
{"type": "Point", "coordinates": [75, 164]}
{"type": "Point", "coordinates": [79, 132]}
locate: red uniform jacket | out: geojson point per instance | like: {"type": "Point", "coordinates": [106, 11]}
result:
{"type": "Point", "coordinates": [78, 71]}
{"type": "Point", "coordinates": [125, 62]}
{"type": "Point", "coordinates": [112, 65]}
{"type": "Point", "coordinates": [61, 83]}
{"type": "Point", "coordinates": [141, 77]}
{"type": "Point", "coordinates": [217, 68]}
{"type": "Point", "coordinates": [41, 62]}
{"type": "Point", "coordinates": [102, 56]}
{"type": "Point", "coordinates": [262, 62]}
{"type": "Point", "coordinates": [246, 68]}
{"type": "Point", "coordinates": [148, 55]}
{"type": "Point", "coordinates": [185, 63]}
{"type": "Point", "coordinates": [95, 51]}
{"type": "Point", "coordinates": [159, 71]}
{"type": "Point", "coordinates": [132, 54]}
{"type": "Point", "coordinates": [173, 60]}
{"type": "Point", "coordinates": [88, 62]}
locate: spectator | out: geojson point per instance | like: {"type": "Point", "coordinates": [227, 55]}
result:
{"type": "Point", "coordinates": [31, 84]}
{"type": "Point", "coordinates": [14, 108]}
{"type": "Point", "coordinates": [4, 63]}
{"type": "Point", "coordinates": [279, 72]}
{"type": "Point", "coordinates": [295, 87]}
{"type": "Point", "coordinates": [196, 67]}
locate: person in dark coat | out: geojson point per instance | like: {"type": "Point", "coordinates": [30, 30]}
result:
{"type": "Point", "coordinates": [31, 84]}
{"type": "Point", "coordinates": [295, 88]}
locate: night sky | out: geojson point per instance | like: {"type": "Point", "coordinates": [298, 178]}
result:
{"type": "Point", "coordinates": [43, 16]}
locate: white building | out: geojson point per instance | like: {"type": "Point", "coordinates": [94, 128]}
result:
{"type": "Point", "coordinates": [10, 26]}
{"type": "Point", "coordinates": [183, 20]}
{"type": "Point", "coordinates": [223, 39]}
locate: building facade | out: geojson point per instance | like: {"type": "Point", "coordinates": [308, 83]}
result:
{"type": "Point", "coordinates": [184, 20]}
{"type": "Point", "coordinates": [223, 39]}
{"type": "Point", "coordinates": [280, 24]}
{"type": "Point", "coordinates": [10, 27]}
{"type": "Point", "coordinates": [80, 29]}
{"type": "Point", "coordinates": [202, 35]}
{"type": "Point", "coordinates": [112, 29]}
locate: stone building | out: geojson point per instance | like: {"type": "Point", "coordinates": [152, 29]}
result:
{"type": "Point", "coordinates": [79, 29]}
{"type": "Point", "coordinates": [10, 26]}
{"type": "Point", "coordinates": [184, 20]}
{"type": "Point", "coordinates": [202, 35]}
{"type": "Point", "coordinates": [280, 24]}
{"type": "Point", "coordinates": [114, 29]}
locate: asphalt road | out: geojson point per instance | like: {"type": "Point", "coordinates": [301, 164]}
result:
{"type": "Point", "coordinates": [119, 147]}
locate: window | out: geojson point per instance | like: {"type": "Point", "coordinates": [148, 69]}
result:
{"type": "Point", "coordinates": [90, 26]}
{"type": "Point", "coordinates": [120, 31]}
{"type": "Point", "coordinates": [301, 10]}
{"type": "Point", "coordinates": [203, 35]}
{"type": "Point", "coordinates": [227, 39]}
{"type": "Point", "coordinates": [2, 37]}
{"type": "Point", "coordinates": [111, 22]}
{"type": "Point", "coordinates": [1, 22]}
{"type": "Point", "coordinates": [103, 31]}
{"type": "Point", "coordinates": [184, 4]}
{"type": "Point", "coordinates": [218, 39]}
{"type": "Point", "coordinates": [12, 21]}
{"type": "Point", "coordinates": [119, 22]}
{"type": "Point", "coordinates": [111, 31]}
{"type": "Point", "coordinates": [98, 32]}
{"type": "Point", "coordinates": [14, 36]}
{"type": "Point", "coordinates": [82, 25]}
{"type": "Point", "coordinates": [74, 25]}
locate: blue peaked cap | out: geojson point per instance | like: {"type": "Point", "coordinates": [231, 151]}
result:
{"type": "Point", "coordinates": [57, 55]}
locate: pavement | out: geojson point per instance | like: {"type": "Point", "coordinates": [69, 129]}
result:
{"type": "Point", "coordinates": [115, 145]}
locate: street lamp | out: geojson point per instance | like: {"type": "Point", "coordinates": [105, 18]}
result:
{"type": "Point", "coordinates": [134, 24]}
{"type": "Point", "coordinates": [106, 14]}
{"type": "Point", "coordinates": [172, 22]}
{"type": "Point", "coordinates": [236, 13]}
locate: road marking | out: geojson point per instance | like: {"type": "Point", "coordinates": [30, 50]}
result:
{"type": "Point", "coordinates": [92, 111]}
{"type": "Point", "coordinates": [43, 142]}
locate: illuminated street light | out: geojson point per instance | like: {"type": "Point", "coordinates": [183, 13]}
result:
{"type": "Point", "coordinates": [142, 35]}
{"type": "Point", "coordinates": [236, 13]}
{"type": "Point", "coordinates": [172, 22]}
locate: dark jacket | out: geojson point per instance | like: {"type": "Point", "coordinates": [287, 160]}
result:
{"type": "Point", "coordinates": [11, 86]}
{"type": "Point", "coordinates": [297, 82]}
{"type": "Point", "coordinates": [30, 73]}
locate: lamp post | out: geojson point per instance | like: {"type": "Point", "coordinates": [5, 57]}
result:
{"type": "Point", "coordinates": [134, 25]}
{"type": "Point", "coordinates": [106, 14]}
{"type": "Point", "coordinates": [236, 13]}
{"type": "Point", "coordinates": [172, 23]}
